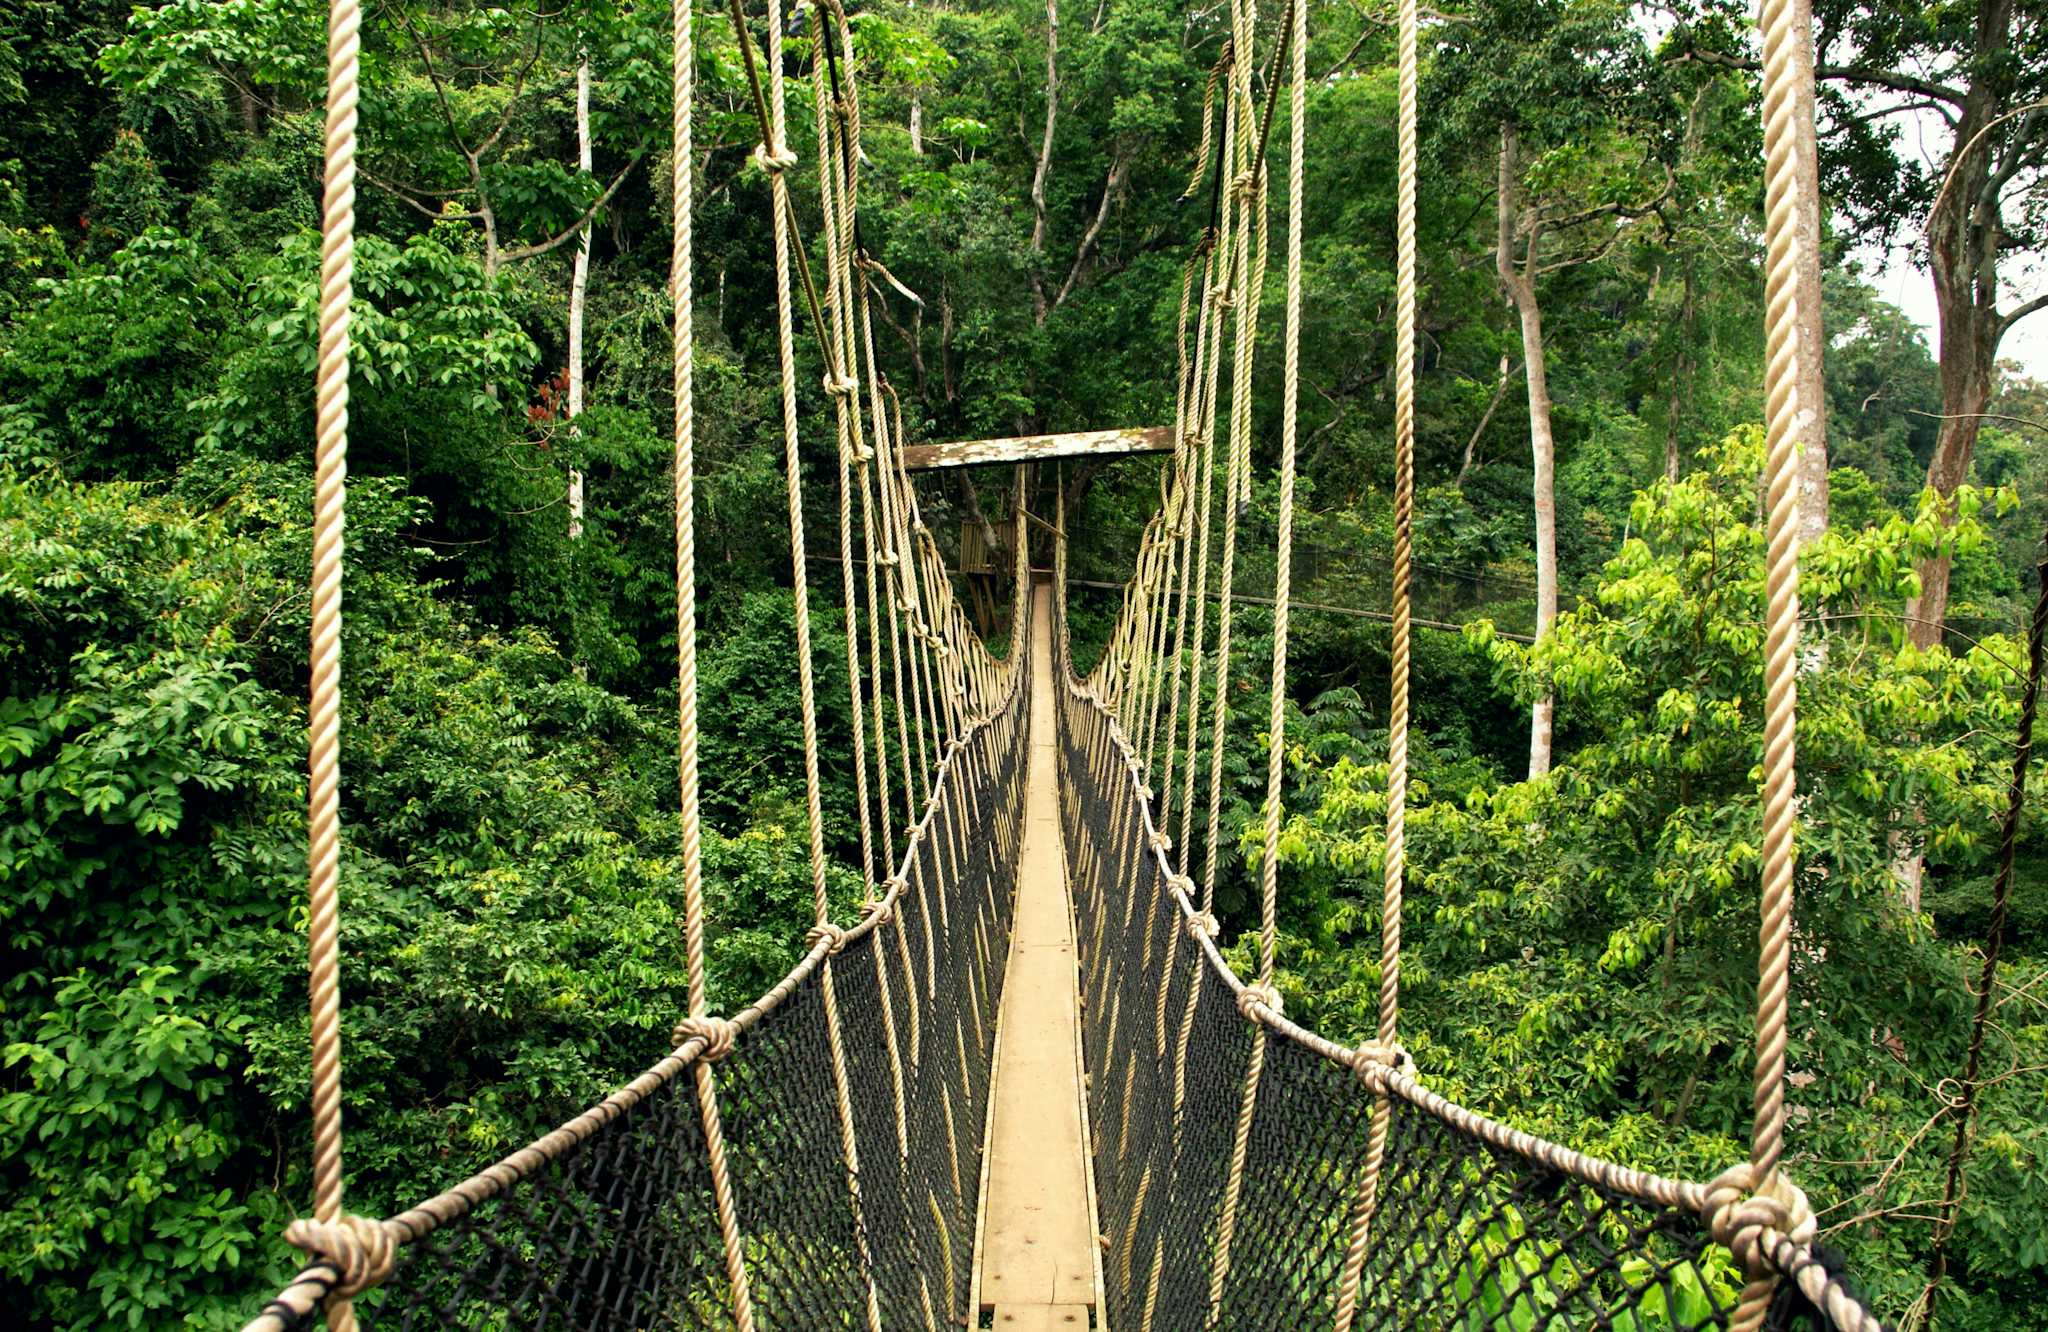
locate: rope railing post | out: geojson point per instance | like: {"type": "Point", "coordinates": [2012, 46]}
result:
{"type": "Point", "coordinates": [1749, 1200]}
{"type": "Point", "coordinates": [682, 278]}
{"type": "Point", "coordinates": [1381, 1053]}
{"type": "Point", "coordinates": [331, 1230]}
{"type": "Point", "coordinates": [1248, 191]}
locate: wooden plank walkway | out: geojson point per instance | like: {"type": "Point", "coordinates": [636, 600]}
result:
{"type": "Point", "coordinates": [1036, 1265]}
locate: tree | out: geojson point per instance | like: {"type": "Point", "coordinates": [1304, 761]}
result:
{"type": "Point", "coordinates": [1553, 78]}
{"type": "Point", "coordinates": [1980, 69]}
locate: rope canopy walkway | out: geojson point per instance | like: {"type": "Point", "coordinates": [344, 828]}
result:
{"type": "Point", "coordinates": [816, 1160]}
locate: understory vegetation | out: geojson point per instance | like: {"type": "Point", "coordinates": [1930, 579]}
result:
{"type": "Point", "coordinates": [1581, 941]}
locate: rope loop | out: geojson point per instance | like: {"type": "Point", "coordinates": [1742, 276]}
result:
{"type": "Point", "coordinates": [1373, 1058]}
{"type": "Point", "coordinates": [826, 932]}
{"type": "Point", "coordinates": [1738, 1215]}
{"type": "Point", "coordinates": [719, 1035]}
{"type": "Point", "coordinates": [362, 1250]}
{"type": "Point", "coordinates": [773, 163]}
{"type": "Point", "coordinates": [1257, 995]}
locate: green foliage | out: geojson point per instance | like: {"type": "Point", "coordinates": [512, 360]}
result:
{"type": "Point", "coordinates": [1581, 955]}
{"type": "Point", "coordinates": [509, 866]}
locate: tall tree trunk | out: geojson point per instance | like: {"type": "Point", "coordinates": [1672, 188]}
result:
{"type": "Point", "coordinates": [1521, 290]}
{"type": "Point", "coordinates": [1963, 240]}
{"type": "Point", "coordinates": [917, 122]}
{"type": "Point", "coordinates": [1810, 427]}
{"type": "Point", "coordinates": [1052, 113]}
{"type": "Point", "coordinates": [579, 285]}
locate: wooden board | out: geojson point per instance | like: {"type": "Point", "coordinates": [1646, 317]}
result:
{"type": "Point", "coordinates": [1038, 448]}
{"type": "Point", "coordinates": [1042, 1318]}
{"type": "Point", "coordinates": [1038, 1251]}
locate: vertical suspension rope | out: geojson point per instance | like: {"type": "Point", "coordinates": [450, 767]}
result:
{"type": "Point", "coordinates": [1283, 559]}
{"type": "Point", "coordinates": [775, 157]}
{"type": "Point", "coordinates": [683, 315]}
{"type": "Point", "coordinates": [1382, 1052]}
{"type": "Point", "coordinates": [1749, 1199]}
{"type": "Point", "coordinates": [1249, 187]}
{"type": "Point", "coordinates": [323, 928]}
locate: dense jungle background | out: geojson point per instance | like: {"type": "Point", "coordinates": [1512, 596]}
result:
{"type": "Point", "coordinates": [1582, 945]}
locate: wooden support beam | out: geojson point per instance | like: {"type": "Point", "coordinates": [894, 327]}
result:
{"type": "Point", "coordinates": [1036, 448]}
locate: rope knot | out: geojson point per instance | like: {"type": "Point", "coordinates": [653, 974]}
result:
{"type": "Point", "coordinates": [1182, 885]}
{"type": "Point", "coordinates": [840, 386]}
{"type": "Point", "coordinates": [718, 1034]}
{"type": "Point", "coordinates": [1203, 925]}
{"type": "Point", "coordinates": [1257, 995]}
{"type": "Point", "coordinates": [1374, 1057]}
{"type": "Point", "coordinates": [1220, 297]}
{"type": "Point", "coordinates": [881, 908]}
{"type": "Point", "coordinates": [360, 1249]}
{"type": "Point", "coordinates": [773, 163]}
{"type": "Point", "coordinates": [1161, 842]}
{"type": "Point", "coordinates": [828, 933]}
{"type": "Point", "coordinates": [1738, 1214]}
{"type": "Point", "coordinates": [1243, 184]}
{"type": "Point", "coordinates": [863, 455]}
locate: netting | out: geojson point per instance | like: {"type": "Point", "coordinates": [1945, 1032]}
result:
{"type": "Point", "coordinates": [1475, 1227]}
{"type": "Point", "coordinates": [618, 1229]}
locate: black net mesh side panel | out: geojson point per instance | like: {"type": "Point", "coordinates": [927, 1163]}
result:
{"type": "Point", "coordinates": [781, 1114]}
{"type": "Point", "coordinates": [1306, 1150]}
{"type": "Point", "coordinates": [1164, 1077]}
{"type": "Point", "coordinates": [620, 1232]}
{"type": "Point", "coordinates": [1469, 1236]}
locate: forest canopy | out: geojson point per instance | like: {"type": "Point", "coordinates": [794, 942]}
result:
{"type": "Point", "coordinates": [1584, 818]}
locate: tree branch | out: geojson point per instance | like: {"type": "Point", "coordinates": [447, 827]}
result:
{"type": "Point", "coordinates": [2034, 306]}
{"type": "Point", "coordinates": [1119, 169]}
{"type": "Point", "coordinates": [1896, 80]}
{"type": "Point", "coordinates": [597, 206]}
{"type": "Point", "coordinates": [407, 197]}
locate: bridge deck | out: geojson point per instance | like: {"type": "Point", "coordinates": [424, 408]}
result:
{"type": "Point", "coordinates": [1036, 1263]}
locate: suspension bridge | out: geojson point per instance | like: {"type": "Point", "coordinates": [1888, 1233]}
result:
{"type": "Point", "coordinates": [1025, 1089]}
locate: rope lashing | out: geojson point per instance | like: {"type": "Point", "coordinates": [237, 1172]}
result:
{"type": "Point", "coordinates": [362, 1250]}
{"type": "Point", "coordinates": [1741, 1216]}
{"type": "Point", "coordinates": [1373, 1058]}
{"type": "Point", "coordinates": [1259, 995]}
{"type": "Point", "coordinates": [826, 932]}
{"type": "Point", "coordinates": [772, 163]}
{"type": "Point", "coordinates": [720, 1036]}
{"type": "Point", "coordinates": [1204, 925]}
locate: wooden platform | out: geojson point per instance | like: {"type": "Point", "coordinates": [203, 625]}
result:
{"type": "Point", "coordinates": [1036, 1265]}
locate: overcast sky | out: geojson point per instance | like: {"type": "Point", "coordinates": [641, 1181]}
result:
{"type": "Point", "coordinates": [1901, 275]}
